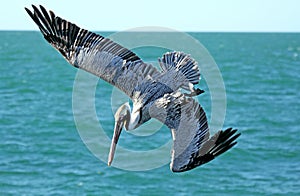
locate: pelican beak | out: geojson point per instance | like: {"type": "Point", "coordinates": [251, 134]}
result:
{"type": "Point", "coordinates": [114, 141]}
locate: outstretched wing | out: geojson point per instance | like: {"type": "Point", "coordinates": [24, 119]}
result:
{"type": "Point", "coordinates": [92, 52]}
{"type": "Point", "coordinates": [192, 145]}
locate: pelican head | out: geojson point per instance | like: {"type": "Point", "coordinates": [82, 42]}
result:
{"type": "Point", "coordinates": [123, 118]}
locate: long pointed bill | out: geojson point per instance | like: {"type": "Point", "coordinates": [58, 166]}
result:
{"type": "Point", "coordinates": [114, 141]}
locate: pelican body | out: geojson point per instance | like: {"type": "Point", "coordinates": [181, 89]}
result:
{"type": "Point", "coordinates": [154, 93]}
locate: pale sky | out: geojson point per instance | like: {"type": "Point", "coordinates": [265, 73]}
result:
{"type": "Point", "coordinates": [181, 15]}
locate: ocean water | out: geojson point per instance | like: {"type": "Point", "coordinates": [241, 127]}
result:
{"type": "Point", "coordinates": [41, 151]}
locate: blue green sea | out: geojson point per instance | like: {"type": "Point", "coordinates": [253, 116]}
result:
{"type": "Point", "coordinates": [42, 153]}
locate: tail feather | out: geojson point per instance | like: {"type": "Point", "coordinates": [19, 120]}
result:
{"type": "Point", "coordinates": [182, 62]}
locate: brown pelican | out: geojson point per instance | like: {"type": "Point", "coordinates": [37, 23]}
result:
{"type": "Point", "coordinates": [154, 93]}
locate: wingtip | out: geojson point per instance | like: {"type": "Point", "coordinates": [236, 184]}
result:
{"type": "Point", "coordinates": [226, 140]}
{"type": "Point", "coordinates": [34, 7]}
{"type": "Point", "coordinates": [27, 10]}
{"type": "Point", "coordinates": [30, 13]}
{"type": "Point", "coordinates": [34, 11]}
{"type": "Point", "coordinates": [42, 7]}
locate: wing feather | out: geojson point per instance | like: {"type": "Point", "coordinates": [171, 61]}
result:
{"type": "Point", "coordinates": [92, 52]}
{"type": "Point", "coordinates": [187, 120]}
